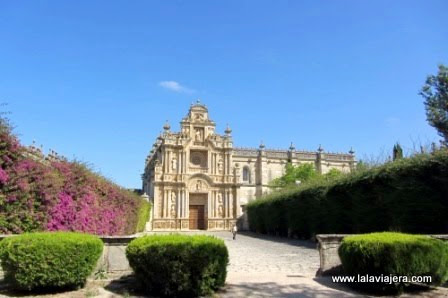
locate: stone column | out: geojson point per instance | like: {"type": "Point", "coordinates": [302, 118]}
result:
{"type": "Point", "coordinates": [187, 160]}
{"type": "Point", "coordinates": [231, 211]}
{"type": "Point", "coordinates": [165, 203]}
{"type": "Point", "coordinates": [209, 162]}
{"type": "Point", "coordinates": [168, 161]}
{"type": "Point", "coordinates": [179, 204]}
{"type": "Point", "coordinates": [227, 204]}
{"type": "Point", "coordinates": [155, 207]}
{"type": "Point", "coordinates": [237, 202]}
{"type": "Point", "coordinates": [209, 205]}
{"type": "Point", "coordinates": [187, 205]}
{"type": "Point", "coordinates": [262, 169]}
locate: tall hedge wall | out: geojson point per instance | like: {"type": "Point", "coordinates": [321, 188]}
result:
{"type": "Point", "coordinates": [408, 195]}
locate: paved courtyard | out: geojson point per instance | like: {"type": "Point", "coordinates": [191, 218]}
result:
{"type": "Point", "coordinates": [265, 266]}
{"type": "Point", "coordinates": [253, 253]}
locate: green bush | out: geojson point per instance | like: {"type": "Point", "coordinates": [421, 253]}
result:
{"type": "Point", "coordinates": [143, 216]}
{"type": "Point", "coordinates": [407, 195]}
{"type": "Point", "coordinates": [394, 254]}
{"type": "Point", "coordinates": [179, 265]}
{"type": "Point", "coordinates": [49, 260]}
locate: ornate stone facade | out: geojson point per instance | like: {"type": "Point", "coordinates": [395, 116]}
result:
{"type": "Point", "coordinates": [196, 179]}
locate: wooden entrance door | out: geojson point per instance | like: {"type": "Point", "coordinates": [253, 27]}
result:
{"type": "Point", "coordinates": [197, 217]}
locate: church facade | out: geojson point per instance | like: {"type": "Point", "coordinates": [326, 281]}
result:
{"type": "Point", "coordinates": [197, 179]}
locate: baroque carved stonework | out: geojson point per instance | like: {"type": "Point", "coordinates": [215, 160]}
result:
{"type": "Point", "coordinates": [198, 169]}
{"type": "Point", "coordinates": [198, 185]}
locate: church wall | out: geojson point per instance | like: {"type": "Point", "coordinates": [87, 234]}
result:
{"type": "Point", "coordinates": [196, 166]}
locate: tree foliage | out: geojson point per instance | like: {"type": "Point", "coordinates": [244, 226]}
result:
{"type": "Point", "coordinates": [435, 93]}
{"type": "Point", "coordinates": [301, 174]}
{"type": "Point", "coordinates": [293, 174]}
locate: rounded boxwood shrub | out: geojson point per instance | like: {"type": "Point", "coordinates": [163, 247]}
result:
{"type": "Point", "coordinates": [395, 254]}
{"type": "Point", "coordinates": [179, 265]}
{"type": "Point", "coordinates": [50, 260]}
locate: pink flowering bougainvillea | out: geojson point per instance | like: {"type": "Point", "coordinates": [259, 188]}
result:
{"type": "Point", "coordinates": [3, 176]}
{"type": "Point", "coordinates": [36, 194]}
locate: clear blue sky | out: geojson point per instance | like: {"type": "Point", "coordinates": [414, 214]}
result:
{"type": "Point", "coordinates": [96, 80]}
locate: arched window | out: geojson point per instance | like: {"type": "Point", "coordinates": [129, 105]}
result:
{"type": "Point", "coordinates": [246, 174]}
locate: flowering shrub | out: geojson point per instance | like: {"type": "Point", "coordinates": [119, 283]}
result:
{"type": "Point", "coordinates": [38, 194]}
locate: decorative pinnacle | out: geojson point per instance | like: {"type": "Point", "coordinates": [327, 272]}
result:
{"type": "Point", "coordinates": [351, 152]}
{"type": "Point", "coordinates": [320, 149]}
{"type": "Point", "coordinates": [291, 147]}
{"type": "Point", "coordinates": [167, 126]}
{"type": "Point", "coordinates": [228, 131]}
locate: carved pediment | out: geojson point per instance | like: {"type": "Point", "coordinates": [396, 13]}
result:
{"type": "Point", "coordinates": [199, 183]}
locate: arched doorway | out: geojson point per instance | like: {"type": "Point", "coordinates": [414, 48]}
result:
{"type": "Point", "coordinates": [198, 211]}
{"type": "Point", "coordinates": [198, 202]}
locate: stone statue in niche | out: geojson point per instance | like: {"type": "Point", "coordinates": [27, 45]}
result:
{"type": "Point", "coordinates": [198, 185]}
{"type": "Point", "coordinates": [198, 135]}
{"type": "Point", "coordinates": [173, 197]}
{"type": "Point", "coordinates": [220, 210]}
{"type": "Point", "coordinates": [173, 210]}
{"type": "Point", "coordinates": [174, 164]}
{"type": "Point", "coordinates": [220, 166]}
{"type": "Point", "coordinates": [219, 197]}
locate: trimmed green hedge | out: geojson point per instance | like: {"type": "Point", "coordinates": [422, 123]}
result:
{"type": "Point", "coordinates": [178, 265]}
{"type": "Point", "coordinates": [143, 215]}
{"type": "Point", "coordinates": [408, 195]}
{"type": "Point", "coordinates": [49, 260]}
{"type": "Point", "coordinates": [395, 254]}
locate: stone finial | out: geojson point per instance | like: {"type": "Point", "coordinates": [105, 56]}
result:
{"type": "Point", "coordinates": [292, 147]}
{"type": "Point", "coordinates": [145, 197]}
{"type": "Point", "coordinates": [167, 126]}
{"type": "Point", "coordinates": [351, 152]}
{"type": "Point", "coordinates": [320, 149]}
{"type": "Point", "coordinates": [228, 131]}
